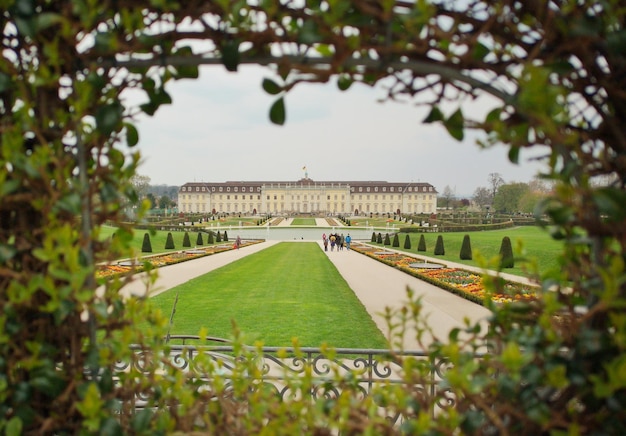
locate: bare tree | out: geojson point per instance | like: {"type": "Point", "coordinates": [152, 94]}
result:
{"type": "Point", "coordinates": [482, 197]}
{"type": "Point", "coordinates": [495, 180]}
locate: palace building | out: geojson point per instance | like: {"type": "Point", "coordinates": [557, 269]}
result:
{"type": "Point", "coordinates": [307, 196]}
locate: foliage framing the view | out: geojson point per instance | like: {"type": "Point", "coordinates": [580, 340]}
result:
{"type": "Point", "coordinates": [555, 69]}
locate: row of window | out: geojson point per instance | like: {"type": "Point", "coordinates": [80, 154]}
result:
{"type": "Point", "coordinates": [306, 198]}
{"type": "Point", "coordinates": [258, 189]}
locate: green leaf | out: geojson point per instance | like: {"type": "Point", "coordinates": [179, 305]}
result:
{"type": "Point", "coordinates": [132, 135]}
{"type": "Point", "coordinates": [277, 112]}
{"type": "Point", "coordinates": [480, 51]}
{"type": "Point", "coordinates": [514, 154]}
{"type": "Point", "coordinates": [454, 125]}
{"type": "Point", "coordinates": [5, 82]}
{"type": "Point", "coordinates": [14, 427]}
{"type": "Point", "coordinates": [108, 118]}
{"type": "Point", "coordinates": [344, 82]}
{"type": "Point", "coordinates": [434, 115]}
{"type": "Point", "coordinates": [610, 203]}
{"type": "Point", "coordinates": [271, 87]}
{"type": "Point", "coordinates": [7, 252]}
{"type": "Point", "coordinates": [309, 33]}
{"type": "Point", "coordinates": [230, 55]}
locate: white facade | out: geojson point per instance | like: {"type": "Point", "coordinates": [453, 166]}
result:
{"type": "Point", "coordinates": [307, 196]}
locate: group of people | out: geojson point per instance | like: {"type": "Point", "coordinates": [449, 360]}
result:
{"type": "Point", "coordinates": [335, 240]}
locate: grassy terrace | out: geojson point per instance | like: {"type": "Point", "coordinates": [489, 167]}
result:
{"type": "Point", "coordinates": [538, 247]}
{"type": "Point", "coordinates": [288, 290]}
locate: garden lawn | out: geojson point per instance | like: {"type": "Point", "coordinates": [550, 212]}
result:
{"type": "Point", "coordinates": [538, 245]}
{"type": "Point", "coordinates": [158, 239]}
{"type": "Point", "coordinates": [303, 222]}
{"type": "Point", "coordinates": [287, 290]}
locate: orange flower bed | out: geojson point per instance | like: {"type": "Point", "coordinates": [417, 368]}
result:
{"type": "Point", "coordinates": [465, 283]}
{"type": "Point", "coordinates": [163, 260]}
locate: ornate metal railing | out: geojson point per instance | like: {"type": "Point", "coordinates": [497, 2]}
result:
{"type": "Point", "coordinates": [368, 368]}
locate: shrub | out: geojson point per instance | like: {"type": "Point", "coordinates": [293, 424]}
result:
{"type": "Point", "coordinates": [379, 239]}
{"type": "Point", "coordinates": [210, 238]}
{"type": "Point", "coordinates": [407, 242]}
{"type": "Point", "coordinates": [374, 238]}
{"type": "Point", "coordinates": [506, 253]}
{"type": "Point", "coordinates": [421, 245]}
{"type": "Point", "coordinates": [439, 250]}
{"type": "Point", "coordinates": [186, 240]}
{"type": "Point", "coordinates": [169, 242]}
{"type": "Point", "coordinates": [146, 246]}
{"type": "Point", "coordinates": [218, 237]}
{"type": "Point", "coordinates": [387, 240]}
{"type": "Point", "coordinates": [225, 236]}
{"type": "Point", "coordinates": [199, 240]}
{"type": "Point", "coordinates": [466, 248]}
{"type": "Point", "coordinates": [396, 241]}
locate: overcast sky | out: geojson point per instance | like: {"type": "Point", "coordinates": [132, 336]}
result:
{"type": "Point", "coordinates": [218, 130]}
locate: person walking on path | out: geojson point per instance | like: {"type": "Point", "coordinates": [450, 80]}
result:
{"type": "Point", "coordinates": [325, 240]}
{"type": "Point", "coordinates": [238, 242]}
{"type": "Point", "coordinates": [348, 240]}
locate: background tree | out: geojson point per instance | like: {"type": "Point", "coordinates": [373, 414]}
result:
{"type": "Point", "coordinates": [165, 202]}
{"type": "Point", "coordinates": [446, 198]}
{"type": "Point", "coordinates": [482, 197]}
{"type": "Point", "coordinates": [508, 197]}
{"type": "Point", "coordinates": [152, 200]}
{"type": "Point", "coordinates": [495, 181]}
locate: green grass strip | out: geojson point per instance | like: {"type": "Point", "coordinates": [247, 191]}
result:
{"type": "Point", "coordinates": [303, 222]}
{"type": "Point", "coordinates": [289, 290]}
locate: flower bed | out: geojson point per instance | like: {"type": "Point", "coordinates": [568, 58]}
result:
{"type": "Point", "coordinates": [159, 260]}
{"type": "Point", "coordinates": [464, 283]}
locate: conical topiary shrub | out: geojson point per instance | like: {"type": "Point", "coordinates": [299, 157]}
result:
{"type": "Point", "coordinates": [169, 242]}
{"type": "Point", "coordinates": [466, 248]}
{"type": "Point", "coordinates": [218, 237]}
{"type": "Point", "coordinates": [439, 249]}
{"type": "Point", "coordinates": [407, 242]}
{"type": "Point", "coordinates": [396, 241]}
{"type": "Point", "coordinates": [225, 236]}
{"type": "Point", "coordinates": [387, 240]}
{"type": "Point", "coordinates": [199, 240]}
{"type": "Point", "coordinates": [146, 246]}
{"type": "Point", "coordinates": [506, 253]}
{"type": "Point", "coordinates": [210, 239]}
{"type": "Point", "coordinates": [379, 239]}
{"type": "Point", "coordinates": [186, 240]}
{"type": "Point", "coordinates": [421, 245]}
{"type": "Point", "coordinates": [374, 238]}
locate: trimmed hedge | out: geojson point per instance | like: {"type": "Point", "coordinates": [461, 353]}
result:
{"type": "Point", "coordinates": [169, 242]}
{"type": "Point", "coordinates": [407, 242]}
{"type": "Point", "coordinates": [396, 241]}
{"type": "Point", "coordinates": [466, 249]}
{"type": "Point", "coordinates": [421, 245]}
{"type": "Point", "coordinates": [146, 245]}
{"type": "Point", "coordinates": [199, 240]}
{"type": "Point", "coordinates": [506, 253]}
{"type": "Point", "coordinates": [186, 240]}
{"type": "Point", "coordinates": [439, 249]}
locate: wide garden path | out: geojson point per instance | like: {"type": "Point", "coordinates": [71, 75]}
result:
{"type": "Point", "coordinates": [378, 286]}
